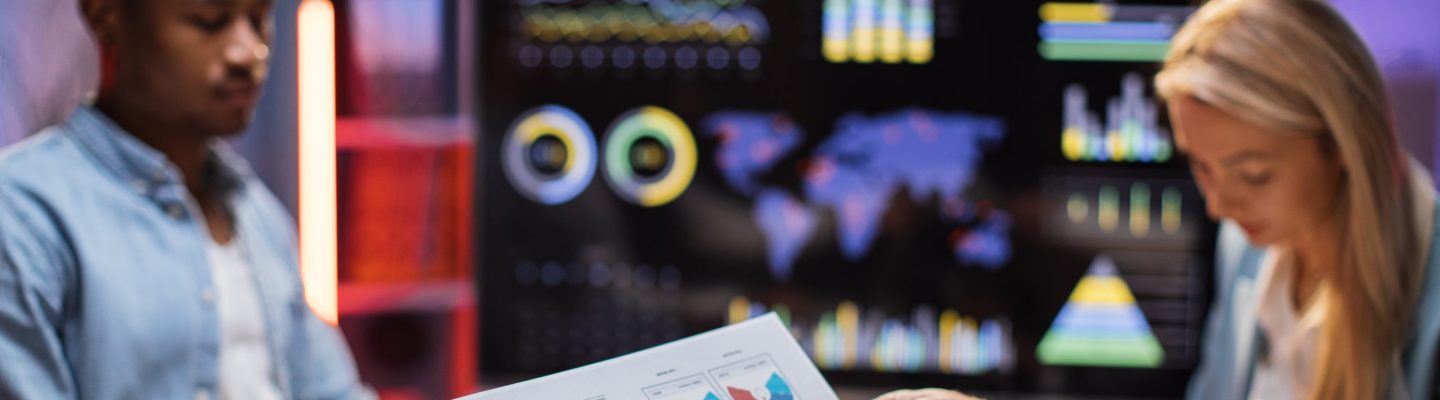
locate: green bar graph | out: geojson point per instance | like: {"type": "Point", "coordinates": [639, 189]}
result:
{"type": "Point", "coordinates": [1077, 50]}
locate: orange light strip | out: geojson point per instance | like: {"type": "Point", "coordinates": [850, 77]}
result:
{"type": "Point", "coordinates": [318, 232]}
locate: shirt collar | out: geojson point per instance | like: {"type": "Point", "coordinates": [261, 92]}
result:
{"type": "Point", "coordinates": [143, 167]}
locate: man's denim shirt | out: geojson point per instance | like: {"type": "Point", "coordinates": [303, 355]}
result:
{"type": "Point", "coordinates": [105, 284]}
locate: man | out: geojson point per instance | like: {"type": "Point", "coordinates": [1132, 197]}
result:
{"type": "Point", "coordinates": [139, 257]}
{"type": "Point", "coordinates": [47, 65]}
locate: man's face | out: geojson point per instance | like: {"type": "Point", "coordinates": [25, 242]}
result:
{"type": "Point", "coordinates": [191, 63]}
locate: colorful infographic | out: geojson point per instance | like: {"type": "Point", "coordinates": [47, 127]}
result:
{"type": "Point", "coordinates": [1108, 31]}
{"type": "Point", "coordinates": [1121, 211]}
{"type": "Point", "coordinates": [549, 154]}
{"type": "Point", "coordinates": [1101, 325]}
{"type": "Point", "coordinates": [1106, 211]}
{"type": "Point", "coordinates": [694, 387]}
{"type": "Point", "coordinates": [886, 31]}
{"type": "Point", "coordinates": [752, 360]}
{"type": "Point", "coordinates": [718, 34]}
{"type": "Point", "coordinates": [755, 378]}
{"type": "Point", "coordinates": [1131, 131]}
{"type": "Point", "coordinates": [750, 145]}
{"type": "Point", "coordinates": [650, 156]}
{"type": "Point", "coordinates": [848, 339]}
{"type": "Point", "coordinates": [857, 171]}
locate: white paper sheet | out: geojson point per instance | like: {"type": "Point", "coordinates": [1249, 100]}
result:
{"type": "Point", "coordinates": [753, 360]}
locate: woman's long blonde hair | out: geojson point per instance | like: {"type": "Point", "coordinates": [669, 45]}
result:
{"type": "Point", "coordinates": [1297, 65]}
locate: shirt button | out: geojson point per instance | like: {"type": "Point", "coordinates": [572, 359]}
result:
{"type": "Point", "coordinates": [175, 211]}
{"type": "Point", "coordinates": [202, 395]}
{"type": "Point", "coordinates": [208, 295]}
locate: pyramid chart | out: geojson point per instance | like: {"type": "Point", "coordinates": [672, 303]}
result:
{"type": "Point", "coordinates": [1100, 325]}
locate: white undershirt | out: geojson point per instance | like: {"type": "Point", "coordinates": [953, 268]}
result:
{"type": "Point", "coordinates": [246, 369]}
{"type": "Point", "coordinates": [1286, 370]}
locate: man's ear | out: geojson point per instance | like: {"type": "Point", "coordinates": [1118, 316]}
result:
{"type": "Point", "coordinates": [103, 19]}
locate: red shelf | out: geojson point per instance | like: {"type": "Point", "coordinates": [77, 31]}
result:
{"type": "Point", "coordinates": [379, 298]}
{"type": "Point", "coordinates": [391, 132]}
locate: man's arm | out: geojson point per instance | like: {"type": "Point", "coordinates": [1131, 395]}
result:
{"type": "Point", "coordinates": [33, 282]}
{"type": "Point", "coordinates": [327, 370]}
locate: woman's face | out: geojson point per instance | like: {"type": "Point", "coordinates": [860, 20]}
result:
{"type": "Point", "coordinates": [1277, 185]}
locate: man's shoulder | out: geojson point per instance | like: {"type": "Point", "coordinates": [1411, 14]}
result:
{"type": "Point", "coordinates": [48, 176]}
{"type": "Point", "coordinates": [44, 160]}
{"type": "Point", "coordinates": [37, 175]}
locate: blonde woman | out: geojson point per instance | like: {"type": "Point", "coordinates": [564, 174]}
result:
{"type": "Point", "coordinates": [1328, 287]}
{"type": "Point", "coordinates": [1284, 118]}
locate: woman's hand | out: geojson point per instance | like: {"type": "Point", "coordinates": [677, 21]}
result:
{"type": "Point", "coordinates": [925, 394]}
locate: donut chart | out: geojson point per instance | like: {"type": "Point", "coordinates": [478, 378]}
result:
{"type": "Point", "coordinates": [650, 156]}
{"type": "Point", "coordinates": [549, 154]}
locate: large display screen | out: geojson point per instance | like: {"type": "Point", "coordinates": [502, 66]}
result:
{"type": "Point", "coordinates": [957, 193]}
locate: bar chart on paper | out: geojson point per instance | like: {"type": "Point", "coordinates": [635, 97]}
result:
{"type": "Point", "coordinates": [752, 360]}
{"type": "Point", "coordinates": [755, 378]}
{"type": "Point", "coordinates": [694, 387]}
